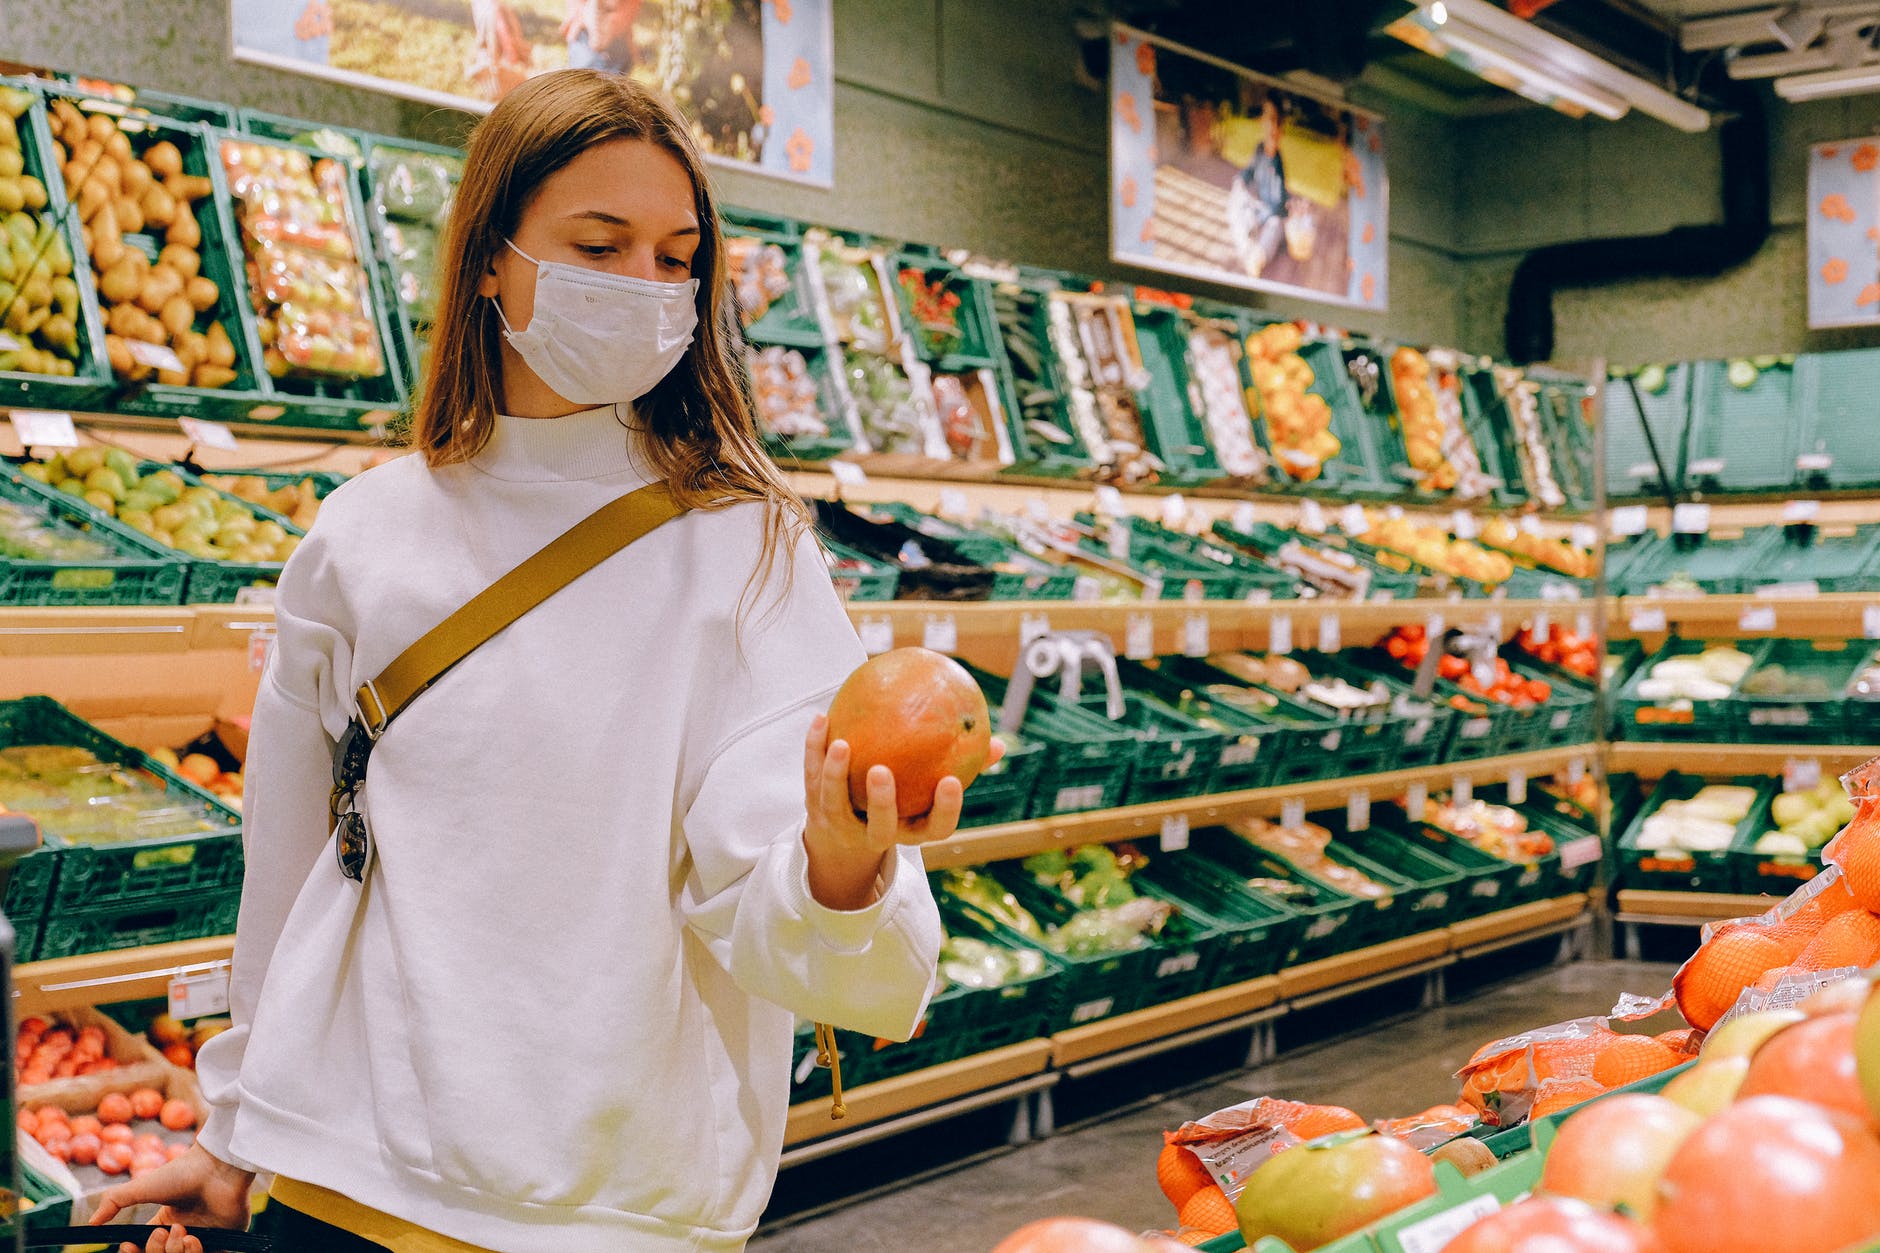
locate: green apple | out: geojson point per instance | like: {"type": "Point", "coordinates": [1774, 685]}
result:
{"type": "Point", "coordinates": [1708, 1087]}
{"type": "Point", "coordinates": [1867, 1051]}
{"type": "Point", "coordinates": [1741, 1037]}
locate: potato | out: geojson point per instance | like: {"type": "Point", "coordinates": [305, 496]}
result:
{"type": "Point", "coordinates": [202, 293]}
{"type": "Point", "coordinates": [221, 347]}
{"type": "Point", "coordinates": [177, 315]}
{"type": "Point", "coordinates": [184, 231]}
{"type": "Point", "coordinates": [137, 176]}
{"type": "Point", "coordinates": [159, 206]}
{"type": "Point", "coordinates": [101, 128]}
{"type": "Point", "coordinates": [130, 215]}
{"type": "Point", "coordinates": [213, 376]}
{"type": "Point", "coordinates": [108, 174]}
{"type": "Point", "coordinates": [164, 159]}
{"type": "Point", "coordinates": [185, 261]}
{"type": "Point", "coordinates": [120, 355]}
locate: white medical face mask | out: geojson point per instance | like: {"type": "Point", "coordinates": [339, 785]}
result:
{"type": "Point", "coordinates": [602, 339]}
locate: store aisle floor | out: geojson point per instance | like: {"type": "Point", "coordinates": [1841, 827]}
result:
{"type": "Point", "coordinates": [1105, 1167]}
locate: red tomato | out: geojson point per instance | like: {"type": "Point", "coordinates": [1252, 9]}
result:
{"type": "Point", "coordinates": [1810, 1061]}
{"type": "Point", "coordinates": [114, 1159]}
{"type": "Point", "coordinates": [1614, 1150]}
{"type": "Point", "coordinates": [1452, 667]}
{"type": "Point", "coordinates": [1555, 1224]}
{"type": "Point", "coordinates": [1772, 1172]}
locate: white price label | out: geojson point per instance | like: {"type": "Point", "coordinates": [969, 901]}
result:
{"type": "Point", "coordinates": [1541, 624]}
{"type": "Point", "coordinates": [1690, 519]}
{"type": "Point", "coordinates": [1463, 525]}
{"type": "Point", "coordinates": [1038, 509]}
{"type": "Point", "coordinates": [260, 648]}
{"type": "Point", "coordinates": [8, 343]}
{"type": "Point", "coordinates": [1642, 470]}
{"type": "Point", "coordinates": [1174, 833]}
{"type": "Point", "coordinates": [1529, 524]}
{"type": "Point", "coordinates": [1031, 626]}
{"type": "Point", "coordinates": [847, 473]}
{"type": "Point", "coordinates": [1279, 634]}
{"type": "Point", "coordinates": [1757, 618]}
{"type": "Point", "coordinates": [1580, 852]}
{"type": "Point", "coordinates": [1435, 1233]}
{"type": "Point", "coordinates": [1583, 536]}
{"type": "Point", "coordinates": [1174, 512]}
{"type": "Point", "coordinates": [1195, 635]}
{"type": "Point", "coordinates": [1801, 511]}
{"type": "Point", "coordinates": [1629, 520]}
{"type": "Point", "coordinates": [1870, 622]}
{"type": "Point", "coordinates": [1330, 637]}
{"type": "Point", "coordinates": [1352, 521]}
{"type": "Point", "coordinates": [156, 356]}
{"type": "Point", "coordinates": [202, 994]}
{"type": "Point", "coordinates": [38, 428]}
{"type": "Point", "coordinates": [1110, 502]}
{"type": "Point", "coordinates": [1086, 589]}
{"type": "Point", "coordinates": [1312, 517]}
{"type": "Point", "coordinates": [1462, 789]}
{"type": "Point", "coordinates": [1649, 620]}
{"type": "Point", "coordinates": [1119, 541]}
{"type": "Point", "coordinates": [1416, 801]}
{"type": "Point", "coordinates": [1814, 462]}
{"type": "Point", "coordinates": [1433, 628]}
{"type": "Point", "coordinates": [953, 503]}
{"type": "Point", "coordinates": [1292, 815]}
{"type": "Point", "coordinates": [877, 635]}
{"type": "Point", "coordinates": [1800, 774]}
{"type": "Point", "coordinates": [1517, 787]}
{"type": "Point", "coordinates": [208, 434]}
{"type": "Point", "coordinates": [1576, 770]}
{"type": "Point", "coordinates": [1152, 587]}
{"type": "Point", "coordinates": [1708, 467]}
{"type": "Point", "coordinates": [1358, 811]}
{"type": "Point", "coordinates": [1245, 519]}
{"type": "Point", "coordinates": [941, 633]}
{"type": "Point", "coordinates": [1583, 624]}
{"type": "Point", "coordinates": [1139, 637]}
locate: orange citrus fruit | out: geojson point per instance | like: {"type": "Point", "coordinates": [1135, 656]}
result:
{"type": "Point", "coordinates": [1181, 1174]}
{"type": "Point", "coordinates": [1559, 1094]}
{"type": "Point", "coordinates": [1210, 1210]}
{"type": "Point", "coordinates": [1717, 973]}
{"type": "Point", "coordinates": [1851, 939]}
{"type": "Point", "coordinates": [1631, 1058]}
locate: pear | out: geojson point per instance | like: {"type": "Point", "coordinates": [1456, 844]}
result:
{"type": "Point", "coordinates": [82, 461]}
{"type": "Point", "coordinates": [105, 479]}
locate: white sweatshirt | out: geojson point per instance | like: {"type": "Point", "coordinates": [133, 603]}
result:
{"type": "Point", "coordinates": [558, 1014]}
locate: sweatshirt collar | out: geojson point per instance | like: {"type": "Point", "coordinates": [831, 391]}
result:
{"type": "Point", "coordinates": [590, 444]}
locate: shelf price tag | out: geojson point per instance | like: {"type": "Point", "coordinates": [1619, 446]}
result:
{"type": "Point", "coordinates": [1331, 638]}
{"type": "Point", "coordinates": [260, 648]}
{"type": "Point", "coordinates": [1195, 635]}
{"type": "Point", "coordinates": [1174, 833]}
{"type": "Point", "coordinates": [848, 474]}
{"type": "Point", "coordinates": [1690, 519]}
{"type": "Point", "coordinates": [1416, 801]}
{"type": "Point", "coordinates": [1583, 624]}
{"type": "Point", "coordinates": [941, 633]}
{"type": "Point", "coordinates": [199, 994]}
{"type": "Point", "coordinates": [1174, 511]}
{"type": "Point", "coordinates": [1529, 524]}
{"type": "Point", "coordinates": [1351, 520]}
{"type": "Point", "coordinates": [1583, 536]}
{"type": "Point", "coordinates": [1648, 621]}
{"type": "Point", "coordinates": [208, 434]}
{"type": "Point", "coordinates": [1462, 789]}
{"type": "Point", "coordinates": [1039, 509]}
{"type": "Point", "coordinates": [1139, 637]}
{"type": "Point", "coordinates": [1292, 815]}
{"type": "Point", "coordinates": [1435, 1233]}
{"type": "Point", "coordinates": [1463, 525]}
{"type": "Point", "coordinates": [1031, 626]}
{"type": "Point", "coordinates": [1796, 511]}
{"type": "Point", "coordinates": [1757, 618]}
{"type": "Point", "coordinates": [1815, 462]}
{"type": "Point", "coordinates": [1086, 589]}
{"type": "Point", "coordinates": [39, 428]}
{"type": "Point", "coordinates": [1870, 622]}
{"type": "Point", "coordinates": [1279, 634]}
{"type": "Point", "coordinates": [877, 634]}
{"type": "Point", "coordinates": [1542, 625]}
{"type": "Point", "coordinates": [1311, 517]}
{"type": "Point", "coordinates": [1517, 787]}
{"type": "Point", "coordinates": [1358, 811]}
{"type": "Point", "coordinates": [1629, 520]}
{"type": "Point", "coordinates": [953, 503]}
{"type": "Point", "coordinates": [1245, 519]}
{"type": "Point", "coordinates": [1434, 626]}
{"type": "Point", "coordinates": [1576, 770]}
{"type": "Point", "coordinates": [1708, 467]}
{"type": "Point", "coordinates": [1110, 502]}
{"type": "Point", "coordinates": [1580, 852]}
{"type": "Point", "coordinates": [1799, 774]}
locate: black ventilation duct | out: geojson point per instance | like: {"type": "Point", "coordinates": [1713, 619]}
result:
{"type": "Point", "coordinates": [1685, 251]}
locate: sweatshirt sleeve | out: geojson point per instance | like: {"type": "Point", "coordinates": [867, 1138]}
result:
{"type": "Point", "coordinates": [298, 714]}
{"type": "Point", "coordinates": [746, 891]}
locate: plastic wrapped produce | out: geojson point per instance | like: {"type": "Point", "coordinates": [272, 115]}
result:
{"type": "Point", "coordinates": [787, 395]}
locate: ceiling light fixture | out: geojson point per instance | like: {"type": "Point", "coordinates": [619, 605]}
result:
{"type": "Point", "coordinates": [1606, 105]}
{"type": "Point", "coordinates": [1829, 84]}
{"type": "Point", "coordinates": [1439, 12]}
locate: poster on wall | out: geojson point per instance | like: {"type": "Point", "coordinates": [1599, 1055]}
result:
{"type": "Point", "coordinates": [753, 75]}
{"type": "Point", "coordinates": [1844, 234]}
{"type": "Point", "coordinates": [1218, 173]}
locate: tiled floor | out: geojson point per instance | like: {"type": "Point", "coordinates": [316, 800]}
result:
{"type": "Point", "coordinates": [1104, 1165]}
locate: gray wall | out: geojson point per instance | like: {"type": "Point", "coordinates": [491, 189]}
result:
{"type": "Point", "coordinates": [1535, 178]}
{"type": "Point", "coordinates": [958, 122]}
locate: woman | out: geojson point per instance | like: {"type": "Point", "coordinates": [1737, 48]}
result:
{"type": "Point", "coordinates": [613, 852]}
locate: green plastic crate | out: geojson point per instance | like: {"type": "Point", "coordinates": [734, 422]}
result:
{"type": "Point", "coordinates": [1176, 757]}
{"type": "Point", "coordinates": [1743, 439]}
{"type": "Point", "coordinates": [1412, 731]}
{"type": "Point", "coordinates": [1089, 759]}
{"type": "Point", "coordinates": [224, 582]}
{"type": "Point", "coordinates": [1491, 428]}
{"type": "Point", "coordinates": [840, 437]}
{"type": "Point", "coordinates": [1817, 716]}
{"type": "Point", "coordinates": [1431, 894]}
{"type": "Point", "coordinates": [59, 228]}
{"type": "Point", "coordinates": [89, 876]}
{"type": "Point", "coordinates": [1368, 367]}
{"type": "Point", "coordinates": [1177, 430]}
{"type": "Point", "coordinates": [1358, 469]}
{"type": "Point", "coordinates": [144, 100]}
{"type": "Point", "coordinates": [1296, 745]}
{"type": "Point", "coordinates": [1253, 579]}
{"type": "Point", "coordinates": [1715, 564]}
{"type": "Point", "coordinates": [136, 924]}
{"type": "Point", "coordinates": [1678, 870]}
{"type": "Point", "coordinates": [1861, 710]}
{"type": "Point", "coordinates": [1770, 874]}
{"type": "Point", "coordinates": [1298, 554]}
{"type": "Point", "coordinates": [136, 571]}
{"type": "Point", "coordinates": [1837, 404]}
{"type": "Point", "coordinates": [790, 320]}
{"type": "Point", "coordinates": [1167, 573]}
{"type": "Point", "coordinates": [864, 579]}
{"type": "Point", "coordinates": [1568, 435]}
{"type": "Point", "coordinates": [1631, 472]}
{"type": "Point", "coordinates": [51, 1204]}
{"type": "Point", "coordinates": [1002, 793]}
{"type": "Point", "coordinates": [1625, 556]}
{"type": "Point", "coordinates": [1036, 393]}
{"type": "Point", "coordinates": [1489, 883]}
{"type": "Point", "coordinates": [1712, 721]}
{"type": "Point", "coordinates": [409, 329]}
{"type": "Point", "coordinates": [1479, 731]}
{"type": "Point", "coordinates": [1017, 574]}
{"type": "Point", "coordinates": [1247, 758]}
{"type": "Point", "coordinates": [1253, 934]}
{"type": "Point", "coordinates": [1331, 922]}
{"type": "Point", "coordinates": [972, 348]}
{"type": "Point", "coordinates": [1793, 556]}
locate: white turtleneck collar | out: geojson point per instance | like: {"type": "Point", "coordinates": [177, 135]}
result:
{"type": "Point", "coordinates": [590, 444]}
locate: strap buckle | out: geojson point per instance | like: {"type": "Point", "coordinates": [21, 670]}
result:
{"type": "Point", "coordinates": [373, 720]}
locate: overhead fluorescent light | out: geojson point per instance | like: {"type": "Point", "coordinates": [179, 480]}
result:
{"type": "Point", "coordinates": [1608, 106]}
{"type": "Point", "coordinates": [1541, 53]}
{"type": "Point", "coordinates": [1828, 84]}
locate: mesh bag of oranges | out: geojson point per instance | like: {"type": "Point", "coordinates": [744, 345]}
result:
{"type": "Point", "coordinates": [1232, 1143]}
{"type": "Point", "coordinates": [1542, 1072]}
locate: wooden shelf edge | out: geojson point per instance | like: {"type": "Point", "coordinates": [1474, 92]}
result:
{"type": "Point", "coordinates": [1128, 1030]}
{"type": "Point", "coordinates": [129, 974]}
{"type": "Point", "coordinates": [1655, 759]}
{"type": "Point", "coordinates": [1826, 615]}
{"type": "Point", "coordinates": [1532, 916]}
{"type": "Point", "coordinates": [873, 1102]}
{"type": "Point", "coordinates": [1363, 963]}
{"type": "Point", "coordinates": [1022, 839]}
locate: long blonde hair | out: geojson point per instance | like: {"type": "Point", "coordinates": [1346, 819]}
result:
{"type": "Point", "coordinates": [700, 428]}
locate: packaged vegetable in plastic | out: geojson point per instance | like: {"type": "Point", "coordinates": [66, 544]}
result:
{"type": "Point", "coordinates": [987, 895]}
{"type": "Point", "coordinates": [1234, 1142]}
{"type": "Point", "coordinates": [1539, 1072]}
{"type": "Point", "coordinates": [414, 186]}
{"type": "Point", "coordinates": [969, 962]}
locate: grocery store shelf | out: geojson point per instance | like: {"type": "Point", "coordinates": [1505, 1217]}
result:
{"type": "Point", "coordinates": [1638, 905]}
{"type": "Point", "coordinates": [1833, 615]}
{"type": "Point", "coordinates": [40, 632]}
{"type": "Point", "coordinates": [1847, 507]}
{"type": "Point", "coordinates": [1524, 922]}
{"type": "Point", "coordinates": [873, 1102]}
{"type": "Point", "coordinates": [1022, 839]}
{"type": "Point", "coordinates": [100, 978]}
{"type": "Point", "coordinates": [1366, 967]}
{"type": "Point", "coordinates": [1655, 760]}
{"type": "Point", "coordinates": [1161, 1021]}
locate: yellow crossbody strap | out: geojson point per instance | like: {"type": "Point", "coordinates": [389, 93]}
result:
{"type": "Point", "coordinates": [566, 558]}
